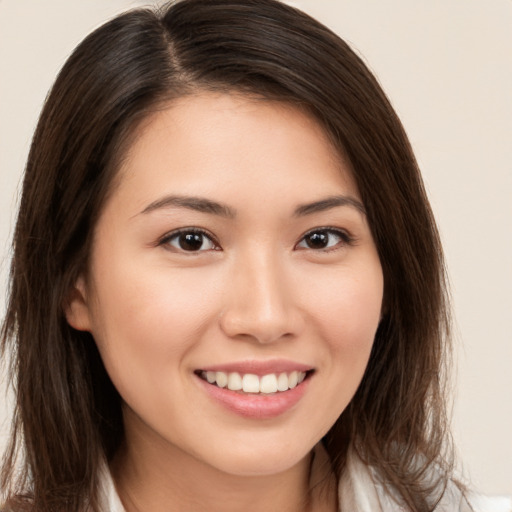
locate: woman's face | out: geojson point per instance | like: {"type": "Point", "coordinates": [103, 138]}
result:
{"type": "Point", "coordinates": [234, 252]}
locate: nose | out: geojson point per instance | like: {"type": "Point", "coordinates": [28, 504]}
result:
{"type": "Point", "coordinates": [261, 303]}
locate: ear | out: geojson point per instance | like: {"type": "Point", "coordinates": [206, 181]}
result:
{"type": "Point", "coordinates": [77, 309]}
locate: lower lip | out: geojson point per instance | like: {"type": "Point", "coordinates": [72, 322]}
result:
{"type": "Point", "coordinates": [253, 405]}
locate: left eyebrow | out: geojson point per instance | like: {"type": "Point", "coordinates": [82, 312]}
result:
{"type": "Point", "coordinates": [199, 204]}
{"type": "Point", "coordinates": [328, 203]}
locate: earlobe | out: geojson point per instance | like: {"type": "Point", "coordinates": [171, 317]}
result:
{"type": "Point", "coordinates": [76, 307]}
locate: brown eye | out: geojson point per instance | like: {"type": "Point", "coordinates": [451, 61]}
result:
{"type": "Point", "coordinates": [319, 239]}
{"type": "Point", "coordinates": [190, 241]}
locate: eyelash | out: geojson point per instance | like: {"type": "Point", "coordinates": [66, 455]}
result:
{"type": "Point", "coordinates": [174, 235]}
{"type": "Point", "coordinates": [344, 236]}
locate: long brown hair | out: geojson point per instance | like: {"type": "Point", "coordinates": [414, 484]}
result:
{"type": "Point", "coordinates": [67, 417]}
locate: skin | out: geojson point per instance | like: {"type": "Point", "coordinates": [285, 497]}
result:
{"type": "Point", "coordinates": [257, 291]}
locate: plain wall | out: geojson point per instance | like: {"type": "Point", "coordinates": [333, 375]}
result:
{"type": "Point", "coordinates": [446, 65]}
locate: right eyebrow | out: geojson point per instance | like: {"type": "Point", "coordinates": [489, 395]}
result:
{"type": "Point", "coordinates": [328, 203]}
{"type": "Point", "coordinates": [199, 204]}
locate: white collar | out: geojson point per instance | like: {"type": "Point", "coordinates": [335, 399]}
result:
{"type": "Point", "coordinates": [358, 490]}
{"type": "Point", "coordinates": [109, 499]}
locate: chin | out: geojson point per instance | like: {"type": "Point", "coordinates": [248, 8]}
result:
{"type": "Point", "coordinates": [259, 462]}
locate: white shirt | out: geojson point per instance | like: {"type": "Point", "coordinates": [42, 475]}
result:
{"type": "Point", "coordinates": [358, 491]}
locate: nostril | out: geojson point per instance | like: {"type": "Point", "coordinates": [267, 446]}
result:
{"type": "Point", "coordinates": [267, 327]}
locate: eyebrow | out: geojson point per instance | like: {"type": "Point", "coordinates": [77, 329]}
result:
{"type": "Point", "coordinates": [328, 203]}
{"type": "Point", "coordinates": [204, 205]}
{"type": "Point", "coordinates": [199, 204]}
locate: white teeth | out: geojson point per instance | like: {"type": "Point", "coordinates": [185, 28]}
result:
{"type": "Point", "coordinates": [282, 382]}
{"type": "Point", "coordinates": [268, 383]}
{"type": "Point", "coordinates": [250, 383]}
{"type": "Point", "coordinates": [234, 382]}
{"type": "Point", "coordinates": [222, 379]}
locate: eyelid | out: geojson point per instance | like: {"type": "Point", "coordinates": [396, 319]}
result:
{"type": "Point", "coordinates": [346, 237]}
{"type": "Point", "coordinates": [164, 240]}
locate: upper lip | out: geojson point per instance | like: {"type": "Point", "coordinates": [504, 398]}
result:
{"type": "Point", "coordinates": [259, 368]}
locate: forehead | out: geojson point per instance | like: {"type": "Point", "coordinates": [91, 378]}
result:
{"type": "Point", "coordinates": [210, 140]}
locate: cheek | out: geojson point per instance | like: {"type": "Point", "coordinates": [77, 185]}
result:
{"type": "Point", "coordinates": [149, 321]}
{"type": "Point", "coordinates": [348, 307]}
{"type": "Point", "coordinates": [150, 313]}
{"type": "Point", "coordinates": [347, 314]}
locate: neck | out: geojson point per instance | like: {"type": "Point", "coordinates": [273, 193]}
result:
{"type": "Point", "coordinates": [154, 476]}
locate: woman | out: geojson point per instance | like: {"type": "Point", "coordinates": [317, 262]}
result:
{"type": "Point", "coordinates": [227, 286]}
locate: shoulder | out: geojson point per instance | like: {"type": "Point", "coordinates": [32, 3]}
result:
{"type": "Point", "coordinates": [361, 489]}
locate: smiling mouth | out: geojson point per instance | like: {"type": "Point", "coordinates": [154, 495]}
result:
{"type": "Point", "coordinates": [270, 383]}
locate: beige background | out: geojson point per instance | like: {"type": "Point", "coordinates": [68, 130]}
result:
{"type": "Point", "coordinates": [446, 65]}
